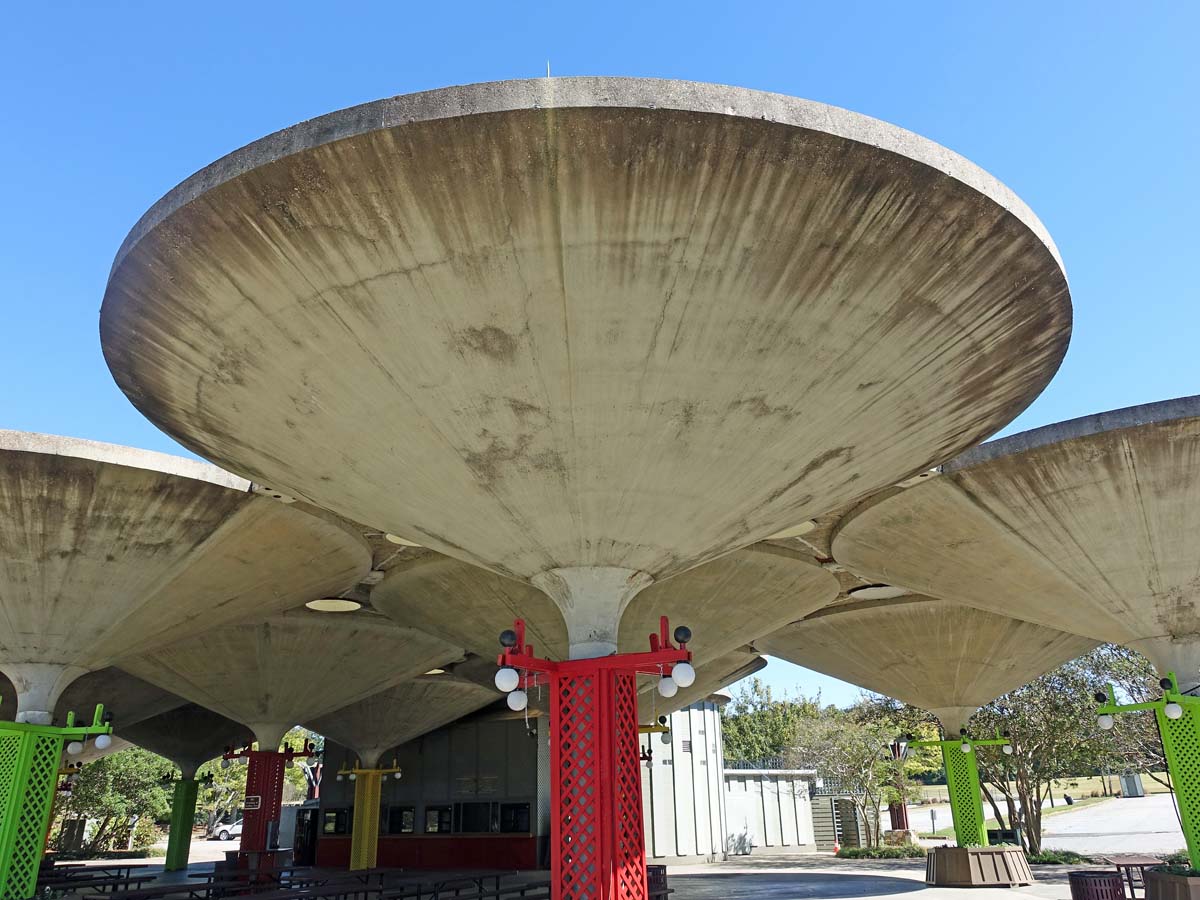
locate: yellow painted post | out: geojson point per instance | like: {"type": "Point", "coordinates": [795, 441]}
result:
{"type": "Point", "coordinates": [364, 842]}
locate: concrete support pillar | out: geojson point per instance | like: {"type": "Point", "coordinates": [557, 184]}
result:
{"type": "Point", "coordinates": [591, 599]}
{"type": "Point", "coordinates": [38, 687]}
{"type": "Point", "coordinates": [966, 800]}
{"type": "Point", "coordinates": [183, 815]}
{"type": "Point", "coordinates": [364, 842]}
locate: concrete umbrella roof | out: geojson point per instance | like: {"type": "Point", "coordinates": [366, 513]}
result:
{"type": "Point", "coordinates": [105, 550]}
{"type": "Point", "coordinates": [377, 723]}
{"type": "Point", "coordinates": [292, 668]}
{"type": "Point", "coordinates": [585, 332]}
{"type": "Point", "coordinates": [726, 603]}
{"type": "Point", "coordinates": [943, 657]}
{"type": "Point", "coordinates": [1087, 526]}
{"type": "Point", "coordinates": [189, 736]}
{"type": "Point", "coordinates": [129, 699]}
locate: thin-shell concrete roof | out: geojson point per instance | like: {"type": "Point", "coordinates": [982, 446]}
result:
{"type": "Point", "coordinates": [291, 668]}
{"type": "Point", "coordinates": [105, 550]}
{"type": "Point", "coordinates": [585, 323]}
{"type": "Point", "coordinates": [1088, 526]}
{"type": "Point", "coordinates": [943, 657]}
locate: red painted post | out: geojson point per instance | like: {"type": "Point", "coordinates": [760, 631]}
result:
{"type": "Point", "coordinates": [598, 849]}
{"type": "Point", "coordinates": [264, 797]}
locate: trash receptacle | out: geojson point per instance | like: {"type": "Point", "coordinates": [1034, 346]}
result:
{"type": "Point", "coordinates": [1096, 886]}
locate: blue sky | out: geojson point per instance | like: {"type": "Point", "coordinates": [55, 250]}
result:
{"type": "Point", "coordinates": [1087, 110]}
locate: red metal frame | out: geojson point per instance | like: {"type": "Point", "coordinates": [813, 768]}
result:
{"type": "Point", "coordinates": [598, 848]}
{"type": "Point", "coordinates": [264, 779]}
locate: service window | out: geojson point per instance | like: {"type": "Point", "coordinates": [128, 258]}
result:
{"type": "Point", "coordinates": [514, 818]}
{"type": "Point", "coordinates": [401, 820]}
{"type": "Point", "coordinates": [437, 820]}
{"type": "Point", "coordinates": [475, 818]}
{"type": "Point", "coordinates": [335, 821]}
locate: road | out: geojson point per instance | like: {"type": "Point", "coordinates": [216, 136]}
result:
{"type": "Point", "coordinates": [1131, 825]}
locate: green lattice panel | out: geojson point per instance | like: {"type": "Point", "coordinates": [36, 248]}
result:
{"type": "Point", "coordinates": [966, 803]}
{"type": "Point", "coordinates": [28, 772]}
{"type": "Point", "coordinates": [1181, 741]}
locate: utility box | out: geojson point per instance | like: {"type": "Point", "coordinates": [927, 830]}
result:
{"type": "Point", "coordinates": [1131, 785]}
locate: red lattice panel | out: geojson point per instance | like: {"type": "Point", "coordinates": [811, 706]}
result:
{"type": "Point", "coordinates": [598, 846]}
{"type": "Point", "coordinates": [264, 779]}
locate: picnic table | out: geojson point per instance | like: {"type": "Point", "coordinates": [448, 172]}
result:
{"type": "Point", "coordinates": [1129, 864]}
{"type": "Point", "coordinates": [100, 885]}
{"type": "Point", "coordinates": [80, 870]}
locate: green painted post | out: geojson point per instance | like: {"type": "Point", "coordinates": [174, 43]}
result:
{"type": "Point", "coordinates": [183, 815]}
{"type": "Point", "coordinates": [29, 760]}
{"type": "Point", "coordinates": [1181, 746]}
{"type": "Point", "coordinates": [966, 800]}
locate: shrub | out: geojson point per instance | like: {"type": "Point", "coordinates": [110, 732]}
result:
{"type": "Point", "coordinates": [905, 851]}
{"type": "Point", "coordinates": [1049, 857]}
{"type": "Point", "coordinates": [1178, 858]}
{"type": "Point", "coordinates": [1186, 870]}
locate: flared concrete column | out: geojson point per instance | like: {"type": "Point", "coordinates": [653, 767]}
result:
{"type": "Point", "coordinates": [38, 686]}
{"type": "Point", "coordinates": [1178, 654]}
{"type": "Point", "coordinates": [592, 599]}
{"type": "Point", "coordinates": [183, 815]}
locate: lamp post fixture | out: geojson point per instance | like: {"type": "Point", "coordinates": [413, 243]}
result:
{"type": "Point", "coordinates": [30, 756]}
{"type": "Point", "coordinates": [364, 833]}
{"type": "Point", "coordinates": [598, 849]}
{"type": "Point", "coordinates": [962, 780]}
{"type": "Point", "coordinates": [1178, 718]}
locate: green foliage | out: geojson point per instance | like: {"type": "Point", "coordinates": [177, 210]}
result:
{"type": "Point", "coordinates": [1178, 858]}
{"type": "Point", "coordinates": [1050, 857]}
{"type": "Point", "coordinates": [756, 726]}
{"type": "Point", "coordinates": [117, 793]}
{"type": "Point", "coordinates": [904, 851]}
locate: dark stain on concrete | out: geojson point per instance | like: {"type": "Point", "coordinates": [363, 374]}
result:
{"type": "Point", "coordinates": [758, 407]}
{"type": "Point", "coordinates": [490, 341]}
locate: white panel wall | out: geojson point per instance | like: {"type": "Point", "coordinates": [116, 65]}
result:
{"type": "Point", "coordinates": [683, 786]}
{"type": "Point", "coordinates": [768, 810]}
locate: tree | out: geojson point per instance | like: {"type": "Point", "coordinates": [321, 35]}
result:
{"type": "Point", "coordinates": [116, 792]}
{"type": "Point", "coordinates": [758, 727]}
{"type": "Point", "coordinates": [855, 752]}
{"type": "Point", "coordinates": [1051, 726]}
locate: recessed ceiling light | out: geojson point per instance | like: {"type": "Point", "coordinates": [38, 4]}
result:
{"type": "Point", "coordinates": [334, 604]}
{"type": "Point", "coordinates": [794, 531]}
{"type": "Point", "coordinates": [403, 542]}
{"type": "Point", "coordinates": [436, 672]}
{"type": "Point", "coordinates": [878, 592]}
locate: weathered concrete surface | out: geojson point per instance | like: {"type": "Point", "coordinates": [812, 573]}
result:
{"type": "Point", "coordinates": [940, 656]}
{"type": "Point", "coordinates": [189, 736]}
{"type": "Point", "coordinates": [385, 720]}
{"type": "Point", "coordinates": [128, 698]}
{"type": "Point", "coordinates": [1087, 526]}
{"type": "Point", "coordinates": [105, 550]}
{"type": "Point", "coordinates": [292, 668]}
{"type": "Point", "coordinates": [585, 324]}
{"type": "Point", "coordinates": [726, 603]}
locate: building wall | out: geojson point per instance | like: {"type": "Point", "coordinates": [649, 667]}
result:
{"type": "Point", "coordinates": [480, 760]}
{"type": "Point", "coordinates": [501, 759]}
{"type": "Point", "coordinates": [682, 786]}
{"type": "Point", "coordinates": [768, 810]}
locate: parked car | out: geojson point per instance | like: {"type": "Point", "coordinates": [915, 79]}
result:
{"type": "Point", "coordinates": [225, 831]}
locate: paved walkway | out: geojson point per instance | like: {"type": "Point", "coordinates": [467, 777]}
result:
{"type": "Point", "coordinates": [1124, 825]}
{"type": "Point", "coordinates": [799, 877]}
